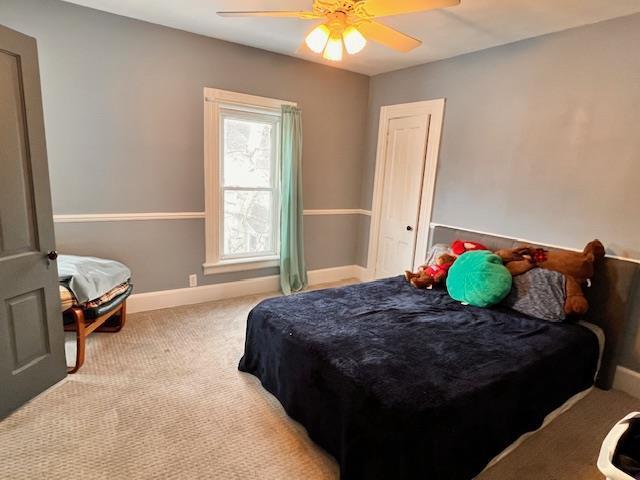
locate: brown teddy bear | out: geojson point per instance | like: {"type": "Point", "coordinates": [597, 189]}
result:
{"type": "Point", "coordinates": [577, 267]}
{"type": "Point", "coordinates": [430, 275]}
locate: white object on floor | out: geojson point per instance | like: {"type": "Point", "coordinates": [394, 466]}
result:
{"type": "Point", "coordinates": [605, 460]}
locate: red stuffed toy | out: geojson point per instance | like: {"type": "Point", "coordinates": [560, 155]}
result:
{"type": "Point", "coordinates": [459, 247]}
{"type": "Point", "coordinates": [430, 275]}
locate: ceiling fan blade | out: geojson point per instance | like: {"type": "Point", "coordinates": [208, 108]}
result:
{"type": "Point", "coordinates": [388, 36]}
{"type": "Point", "coordinates": [383, 8]}
{"type": "Point", "coordinates": [282, 14]}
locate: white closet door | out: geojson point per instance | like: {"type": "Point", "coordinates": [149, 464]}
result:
{"type": "Point", "coordinates": [402, 188]}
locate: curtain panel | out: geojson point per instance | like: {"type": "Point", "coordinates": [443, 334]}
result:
{"type": "Point", "coordinates": [293, 274]}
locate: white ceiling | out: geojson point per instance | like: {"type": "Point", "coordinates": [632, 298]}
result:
{"type": "Point", "coordinates": [473, 25]}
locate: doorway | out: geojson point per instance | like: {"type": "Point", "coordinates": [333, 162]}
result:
{"type": "Point", "coordinates": [406, 163]}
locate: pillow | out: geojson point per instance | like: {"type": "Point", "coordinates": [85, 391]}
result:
{"type": "Point", "coordinates": [538, 293]}
{"type": "Point", "coordinates": [435, 252]}
{"type": "Point", "coordinates": [479, 278]}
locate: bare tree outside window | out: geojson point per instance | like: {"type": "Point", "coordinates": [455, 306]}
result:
{"type": "Point", "coordinates": [249, 184]}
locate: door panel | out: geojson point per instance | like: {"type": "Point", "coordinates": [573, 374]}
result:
{"type": "Point", "coordinates": [402, 187]}
{"type": "Point", "coordinates": [31, 331]}
{"type": "Point", "coordinates": [18, 223]}
{"type": "Point", "coordinates": [27, 329]}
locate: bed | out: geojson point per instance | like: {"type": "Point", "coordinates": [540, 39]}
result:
{"type": "Point", "coordinates": [400, 383]}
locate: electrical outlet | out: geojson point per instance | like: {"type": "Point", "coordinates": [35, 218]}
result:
{"type": "Point", "coordinates": [193, 280]}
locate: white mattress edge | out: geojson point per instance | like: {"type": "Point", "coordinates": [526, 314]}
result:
{"type": "Point", "coordinates": [562, 408]}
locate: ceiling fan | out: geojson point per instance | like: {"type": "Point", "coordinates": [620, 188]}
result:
{"type": "Point", "coordinates": [351, 23]}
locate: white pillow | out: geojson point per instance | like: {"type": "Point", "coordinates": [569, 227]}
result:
{"type": "Point", "coordinates": [435, 252]}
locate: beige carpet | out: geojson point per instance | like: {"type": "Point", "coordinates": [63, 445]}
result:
{"type": "Point", "coordinates": [163, 399]}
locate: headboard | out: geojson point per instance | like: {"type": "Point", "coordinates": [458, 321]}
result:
{"type": "Point", "coordinates": [609, 295]}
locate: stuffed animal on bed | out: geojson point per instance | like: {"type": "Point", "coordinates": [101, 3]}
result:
{"type": "Point", "coordinates": [430, 275]}
{"type": "Point", "coordinates": [577, 267]}
{"type": "Point", "coordinates": [459, 247]}
{"type": "Point", "coordinates": [435, 271]}
{"type": "Point", "coordinates": [519, 260]}
{"type": "Point", "coordinates": [479, 278]}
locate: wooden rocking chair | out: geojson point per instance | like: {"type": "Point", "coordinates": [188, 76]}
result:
{"type": "Point", "coordinates": [109, 317]}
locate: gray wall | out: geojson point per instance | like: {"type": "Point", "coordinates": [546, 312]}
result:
{"type": "Point", "coordinates": [540, 137]}
{"type": "Point", "coordinates": [123, 114]}
{"type": "Point", "coordinates": [540, 140]}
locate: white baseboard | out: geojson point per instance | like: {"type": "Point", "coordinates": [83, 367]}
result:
{"type": "Point", "coordinates": [334, 274]}
{"type": "Point", "coordinates": [627, 380]}
{"type": "Point", "coordinates": [142, 302]}
{"type": "Point", "coordinates": [364, 274]}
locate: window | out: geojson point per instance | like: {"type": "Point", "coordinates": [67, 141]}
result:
{"type": "Point", "coordinates": [242, 172]}
{"type": "Point", "coordinates": [249, 164]}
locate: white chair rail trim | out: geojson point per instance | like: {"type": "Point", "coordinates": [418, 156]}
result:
{"type": "Point", "coordinates": [127, 217]}
{"type": "Point", "coordinates": [339, 211]}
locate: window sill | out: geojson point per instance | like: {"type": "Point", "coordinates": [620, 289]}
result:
{"type": "Point", "coordinates": [240, 265]}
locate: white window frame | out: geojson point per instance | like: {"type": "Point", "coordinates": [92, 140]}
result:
{"type": "Point", "coordinates": [217, 101]}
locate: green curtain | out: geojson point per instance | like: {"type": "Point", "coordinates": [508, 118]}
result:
{"type": "Point", "coordinates": [293, 274]}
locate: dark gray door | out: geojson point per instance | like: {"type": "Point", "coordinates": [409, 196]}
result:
{"type": "Point", "coordinates": [31, 331]}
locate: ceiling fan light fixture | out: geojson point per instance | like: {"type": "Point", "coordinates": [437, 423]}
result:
{"type": "Point", "coordinates": [354, 41]}
{"type": "Point", "coordinates": [317, 39]}
{"type": "Point", "coordinates": [333, 50]}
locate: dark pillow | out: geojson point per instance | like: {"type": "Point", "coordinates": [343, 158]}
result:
{"type": "Point", "coordinates": [539, 293]}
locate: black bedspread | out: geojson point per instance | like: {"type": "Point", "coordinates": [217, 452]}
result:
{"type": "Point", "coordinates": [399, 383]}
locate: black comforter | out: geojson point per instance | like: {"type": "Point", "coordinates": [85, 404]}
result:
{"type": "Point", "coordinates": [399, 383]}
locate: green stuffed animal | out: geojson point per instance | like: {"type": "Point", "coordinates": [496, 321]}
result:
{"type": "Point", "coordinates": [479, 278]}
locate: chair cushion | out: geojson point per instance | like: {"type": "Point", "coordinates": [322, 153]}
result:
{"type": "Point", "coordinates": [66, 298]}
{"type": "Point", "coordinates": [95, 312]}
